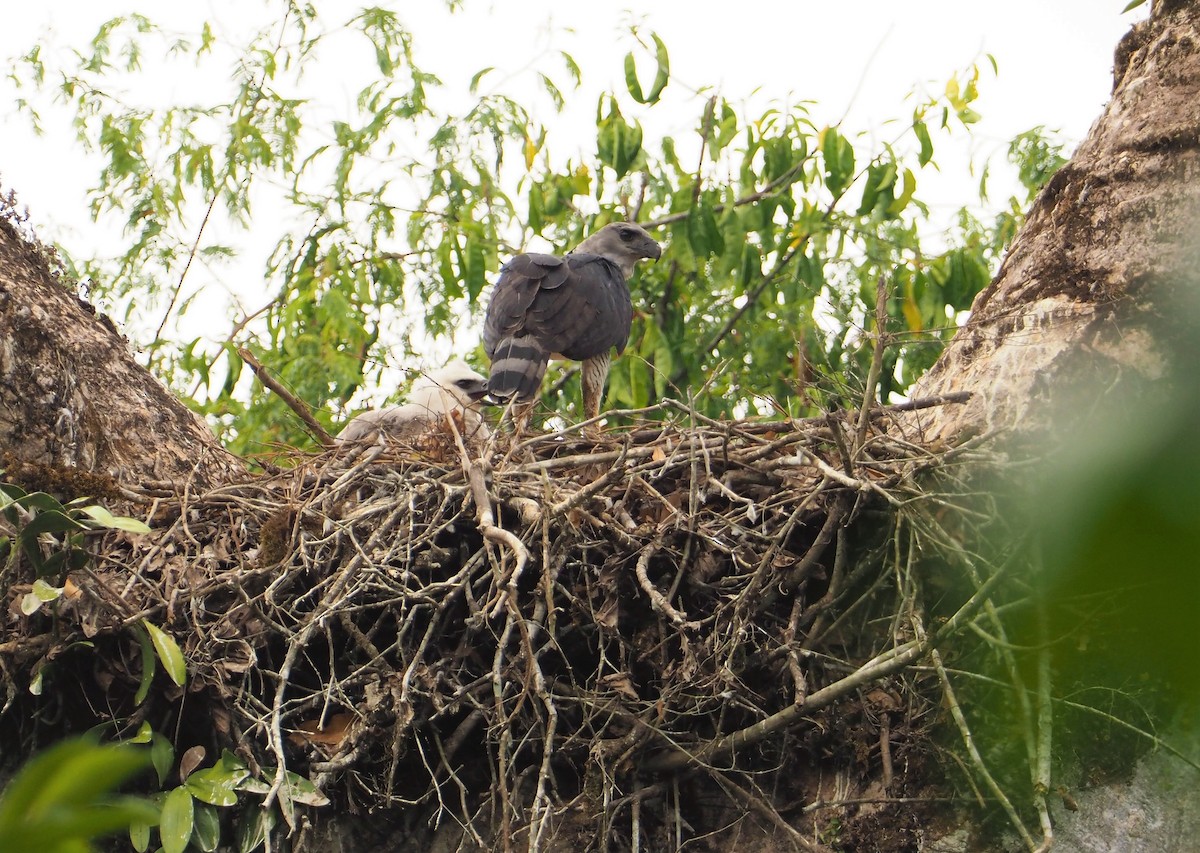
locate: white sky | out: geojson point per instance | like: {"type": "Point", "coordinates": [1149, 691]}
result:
{"type": "Point", "coordinates": [854, 57]}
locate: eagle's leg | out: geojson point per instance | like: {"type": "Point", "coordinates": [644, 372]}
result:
{"type": "Point", "coordinates": [595, 372]}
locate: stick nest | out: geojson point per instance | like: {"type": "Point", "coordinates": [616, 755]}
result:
{"type": "Point", "coordinates": [563, 639]}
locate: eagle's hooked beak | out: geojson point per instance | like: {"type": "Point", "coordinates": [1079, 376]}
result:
{"type": "Point", "coordinates": [475, 389]}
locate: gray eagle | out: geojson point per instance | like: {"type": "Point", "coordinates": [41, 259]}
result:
{"type": "Point", "coordinates": [575, 307]}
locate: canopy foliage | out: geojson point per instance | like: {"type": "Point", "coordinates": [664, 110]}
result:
{"type": "Point", "coordinates": [388, 216]}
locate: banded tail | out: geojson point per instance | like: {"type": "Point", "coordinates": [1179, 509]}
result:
{"type": "Point", "coordinates": [518, 366]}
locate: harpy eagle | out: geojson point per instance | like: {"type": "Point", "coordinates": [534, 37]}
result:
{"type": "Point", "coordinates": [453, 388]}
{"type": "Point", "coordinates": [577, 307]}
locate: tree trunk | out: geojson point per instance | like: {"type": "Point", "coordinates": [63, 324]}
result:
{"type": "Point", "coordinates": [1095, 304]}
{"type": "Point", "coordinates": [73, 397]}
{"type": "Point", "coordinates": [1107, 244]}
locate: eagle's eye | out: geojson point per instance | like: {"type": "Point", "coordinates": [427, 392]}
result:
{"type": "Point", "coordinates": [627, 234]}
{"type": "Point", "coordinates": [465, 383]}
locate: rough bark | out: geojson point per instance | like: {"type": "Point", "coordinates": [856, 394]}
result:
{"type": "Point", "coordinates": [73, 396]}
{"type": "Point", "coordinates": [1098, 298]}
{"type": "Point", "coordinates": [1104, 249]}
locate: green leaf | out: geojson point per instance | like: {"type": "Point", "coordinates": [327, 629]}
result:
{"type": "Point", "coordinates": [253, 829]}
{"type": "Point", "coordinates": [104, 518]}
{"type": "Point", "coordinates": [178, 816]}
{"type": "Point", "coordinates": [139, 836]}
{"type": "Point", "coordinates": [22, 792]}
{"type": "Point", "coordinates": [473, 86]}
{"type": "Point", "coordinates": [287, 808]}
{"type": "Point", "coordinates": [216, 785]}
{"type": "Point", "coordinates": [631, 79]}
{"type": "Point", "coordinates": [922, 133]}
{"type": "Point", "coordinates": [41, 502]}
{"type": "Point", "coordinates": [168, 652]}
{"type": "Point", "coordinates": [960, 273]}
{"type": "Point", "coordinates": [839, 160]}
{"type": "Point", "coordinates": [9, 493]}
{"type": "Point", "coordinates": [476, 270]}
{"type": "Point", "coordinates": [71, 830]}
{"type": "Point", "coordinates": [304, 791]}
{"type": "Point", "coordinates": [61, 798]}
{"type": "Point", "coordinates": [1133, 4]}
{"type": "Point", "coordinates": [663, 73]}
{"type": "Point", "coordinates": [537, 208]}
{"type": "Point", "coordinates": [231, 762]}
{"type": "Point", "coordinates": [724, 129]}
{"type": "Point", "coordinates": [572, 68]}
{"type": "Point", "coordinates": [49, 521]}
{"type": "Point", "coordinates": [148, 668]}
{"type": "Point", "coordinates": [656, 346]}
{"type": "Point", "coordinates": [639, 383]}
{"type": "Point", "coordinates": [87, 774]}
{"type": "Point", "coordinates": [703, 235]}
{"type": "Point", "coordinates": [64, 561]}
{"type": "Point", "coordinates": [618, 143]}
{"type": "Point", "coordinates": [162, 755]}
{"type": "Point", "coordinates": [45, 592]}
{"type": "Point", "coordinates": [902, 200]}
{"type": "Point", "coordinates": [206, 828]}
{"type": "Point", "coordinates": [42, 592]}
{"type": "Point", "coordinates": [878, 187]}
{"type": "Point", "coordinates": [255, 786]}
{"type": "Point", "coordinates": [661, 76]}
{"type": "Point", "coordinates": [553, 91]}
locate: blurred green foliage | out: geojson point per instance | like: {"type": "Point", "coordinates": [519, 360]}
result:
{"type": "Point", "coordinates": [62, 800]}
{"type": "Point", "coordinates": [1100, 536]}
{"type": "Point", "coordinates": [1118, 516]}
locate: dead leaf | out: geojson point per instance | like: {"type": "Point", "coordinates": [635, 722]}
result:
{"type": "Point", "coordinates": [220, 719]}
{"type": "Point", "coordinates": [17, 592]}
{"type": "Point", "coordinates": [104, 678]}
{"type": "Point", "coordinates": [238, 657]}
{"type": "Point", "coordinates": [337, 726]}
{"type": "Point", "coordinates": [190, 761]}
{"type": "Point", "coordinates": [706, 565]}
{"type": "Point", "coordinates": [1068, 800]}
{"type": "Point", "coordinates": [658, 455]}
{"type": "Point", "coordinates": [373, 696]}
{"type": "Point", "coordinates": [606, 614]}
{"type": "Point", "coordinates": [620, 682]}
{"type": "Point", "coordinates": [783, 560]}
{"type": "Point", "coordinates": [689, 665]}
{"type": "Point", "coordinates": [883, 700]}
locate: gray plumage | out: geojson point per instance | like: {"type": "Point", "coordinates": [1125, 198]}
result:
{"type": "Point", "coordinates": [454, 387]}
{"type": "Point", "coordinates": [577, 307]}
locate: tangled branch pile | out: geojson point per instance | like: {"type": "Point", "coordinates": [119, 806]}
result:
{"type": "Point", "coordinates": [559, 643]}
